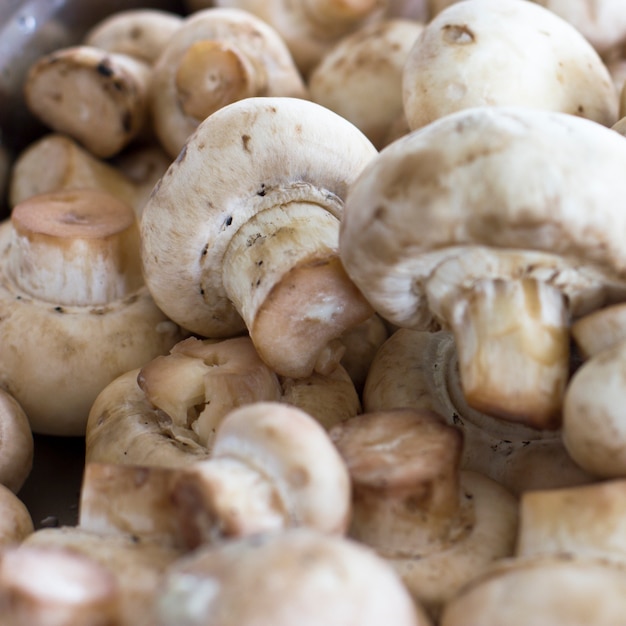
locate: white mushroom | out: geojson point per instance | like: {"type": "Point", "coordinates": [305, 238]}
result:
{"type": "Point", "coordinates": [216, 57]}
{"type": "Point", "coordinates": [16, 443]}
{"type": "Point", "coordinates": [74, 311]}
{"type": "Point", "coordinates": [600, 330]}
{"type": "Point", "coordinates": [505, 52]}
{"type": "Point", "coordinates": [254, 244]}
{"type": "Point", "coordinates": [16, 522]}
{"type": "Point", "coordinates": [484, 223]}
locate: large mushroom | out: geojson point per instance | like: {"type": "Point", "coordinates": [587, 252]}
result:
{"type": "Point", "coordinates": [484, 223]}
{"type": "Point", "coordinates": [243, 231]}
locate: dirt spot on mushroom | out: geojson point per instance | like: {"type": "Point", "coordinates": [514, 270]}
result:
{"type": "Point", "coordinates": [245, 140]}
{"type": "Point", "coordinates": [458, 34]}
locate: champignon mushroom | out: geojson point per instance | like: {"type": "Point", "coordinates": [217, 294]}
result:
{"type": "Point", "coordinates": [216, 57]}
{"type": "Point", "coordinates": [361, 76]}
{"type": "Point", "coordinates": [504, 52]}
{"type": "Point", "coordinates": [97, 97]}
{"type": "Point", "coordinates": [255, 243]}
{"type": "Point", "coordinates": [16, 443]}
{"type": "Point", "coordinates": [438, 526]}
{"type": "Point", "coordinates": [419, 370]}
{"type": "Point", "coordinates": [16, 522]}
{"type": "Point", "coordinates": [74, 311]}
{"type": "Point", "coordinates": [272, 467]}
{"type": "Point", "coordinates": [600, 330]}
{"type": "Point", "coordinates": [298, 576]}
{"type": "Point", "coordinates": [483, 223]}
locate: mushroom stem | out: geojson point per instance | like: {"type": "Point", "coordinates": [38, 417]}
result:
{"type": "Point", "coordinates": [285, 260]}
{"type": "Point", "coordinates": [75, 248]}
{"type": "Point", "coordinates": [513, 345]}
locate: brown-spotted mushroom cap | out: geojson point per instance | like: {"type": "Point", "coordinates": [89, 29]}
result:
{"type": "Point", "coordinates": [242, 231]}
{"type": "Point", "coordinates": [215, 57]}
{"type": "Point", "coordinates": [438, 526]}
{"type": "Point", "coordinates": [484, 223]}
{"type": "Point", "coordinates": [74, 311]}
{"type": "Point", "coordinates": [505, 52]}
{"type": "Point", "coordinates": [298, 576]}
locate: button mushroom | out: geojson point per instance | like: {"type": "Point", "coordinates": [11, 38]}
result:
{"type": "Point", "coordinates": [74, 311]}
{"type": "Point", "coordinates": [505, 52]}
{"type": "Point", "coordinates": [16, 443]}
{"type": "Point", "coordinates": [255, 243]}
{"type": "Point", "coordinates": [483, 223]}
{"type": "Point", "coordinates": [438, 526]}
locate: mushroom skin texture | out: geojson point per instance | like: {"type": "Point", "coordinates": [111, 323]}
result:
{"type": "Point", "coordinates": [543, 62]}
{"type": "Point", "coordinates": [300, 576]}
{"type": "Point", "coordinates": [419, 370]}
{"type": "Point", "coordinates": [16, 443]}
{"type": "Point", "coordinates": [254, 244]}
{"type": "Point", "coordinates": [216, 57]}
{"type": "Point", "coordinates": [486, 211]}
{"type": "Point", "coordinates": [75, 312]}
{"type": "Point", "coordinates": [16, 522]}
{"type": "Point", "coordinates": [437, 525]}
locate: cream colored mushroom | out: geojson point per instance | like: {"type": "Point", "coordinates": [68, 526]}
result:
{"type": "Point", "coordinates": [16, 522]}
{"type": "Point", "coordinates": [255, 243]}
{"type": "Point", "coordinates": [299, 576]}
{"type": "Point", "coordinates": [311, 27]}
{"type": "Point", "coordinates": [16, 443]}
{"type": "Point", "coordinates": [438, 526]}
{"type": "Point", "coordinates": [361, 76]}
{"type": "Point", "coordinates": [140, 33]}
{"type": "Point", "coordinates": [167, 412]}
{"type": "Point", "coordinates": [600, 330]}
{"type": "Point", "coordinates": [272, 467]}
{"type": "Point", "coordinates": [419, 370]}
{"type": "Point", "coordinates": [97, 97]}
{"type": "Point", "coordinates": [483, 223]}
{"type": "Point", "coordinates": [505, 52]}
{"type": "Point", "coordinates": [217, 56]}
{"type": "Point", "coordinates": [74, 311]}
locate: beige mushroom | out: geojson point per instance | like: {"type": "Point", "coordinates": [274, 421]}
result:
{"type": "Point", "coordinates": [75, 312]}
{"type": "Point", "coordinates": [361, 76]}
{"type": "Point", "coordinates": [16, 443]}
{"type": "Point", "coordinates": [483, 223]}
{"type": "Point", "coordinates": [140, 33]}
{"type": "Point", "coordinates": [16, 522]}
{"type": "Point", "coordinates": [438, 526]}
{"type": "Point", "coordinates": [255, 244]}
{"type": "Point", "coordinates": [311, 27]}
{"type": "Point", "coordinates": [298, 576]}
{"type": "Point", "coordinates": [505, 52]}
{"type": "Point", "coordinates": [600, 330]}
{"type": "Point", "coordinates": [216, 56]}
{"type": "Point", "coordinates": [419, 370]}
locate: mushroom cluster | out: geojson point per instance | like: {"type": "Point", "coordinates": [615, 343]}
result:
{"type": "Point", "coordinates": [333, 294]}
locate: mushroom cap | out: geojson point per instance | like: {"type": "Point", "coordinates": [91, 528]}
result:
{"type": "Point", "coordinates": [503, 178]}
{"type": "Point", "coordinates": [16, 522]}
{"type": "Point", "coordinates": [16, 443]}
{"type": "Point", "coordinates": [245, 157]}
{"type": "Point", "coordinates": [543, 62]}
{"type": "Point", "coordinates": [299, 576]}
{"type": "Point", "coordinates": [600, 329]}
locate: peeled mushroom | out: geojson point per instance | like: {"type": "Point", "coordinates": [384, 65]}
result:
{"type": "Point", "coordinates": [505, 53]}
{"type": "Point", "coordinates": [483, 223]}
{"type": "Point", "coordinates": [255, 243]}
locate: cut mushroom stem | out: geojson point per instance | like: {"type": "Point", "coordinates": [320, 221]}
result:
{"type": "Point", "coordinates": [68, 249]}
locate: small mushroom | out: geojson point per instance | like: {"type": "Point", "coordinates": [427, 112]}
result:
{"type": "Point", "coordinates": [298, 576]}
{"type": "Point", "coordinates": [255, 243]}
{"type": "Point", "coordinates": [97, 97]}
{"type": "Point", "coordinates": [16, 522]}
{"type": "Point", "coordinates": [74, 311]}
{"type": "Point", "coordinates": [216, 56]}
{"type": "Point", "coordinates": [536, 59]}
{"type": "Point", "coordinates": [600, 329]}
{"type": "Point", "coordinates": [438, 526]}
{"type": "Point", "coordinates": [483, 223]}
{"type": "Point", "coordinates": [16, 443]}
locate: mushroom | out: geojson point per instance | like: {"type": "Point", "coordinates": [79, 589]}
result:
{"type": "Point", "coordinates": [16, 522]}
{"type": "Point", "coordinates": [419, 370]}
{"type": "Point", "coordinates": [216, 56]}
{"type": "Point", "coordinates": [299, 576]}
{"type": "Point", "coordinates": [140, 33]}
{"type": "Point", "coordinates": [569, 565]}
{"type": "Point", "coordinates": [543, 62]}
{"type": "Point", "coordinates": [16, 443]}
{"type": "Point", "coordinates": [255, 243]}
{"type": "Point", "coordinates": [361, 76]}
{"type": "Point", "coordinates": [483, 223]}
{"type": "Point", "coordinates": [272, 467]}
{"type": "Point", "coordinates": [311, 27]}
{"type": "Point", "coordinates": [74, 310]}
{"type": "Point", "coordinates": [97, 97]}
{"type": "Point", "coordinates": [600, 329]}
{"type": "Point", "coordinates": [167, 412]}
{"type": "Point", "coordinates": [437, 525]}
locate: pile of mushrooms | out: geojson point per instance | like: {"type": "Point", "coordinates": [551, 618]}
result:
{"type": "Point", "coordinates": [354, 313]}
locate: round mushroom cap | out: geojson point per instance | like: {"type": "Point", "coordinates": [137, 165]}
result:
{"type": "Point", "coordinates": [296, 576]}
